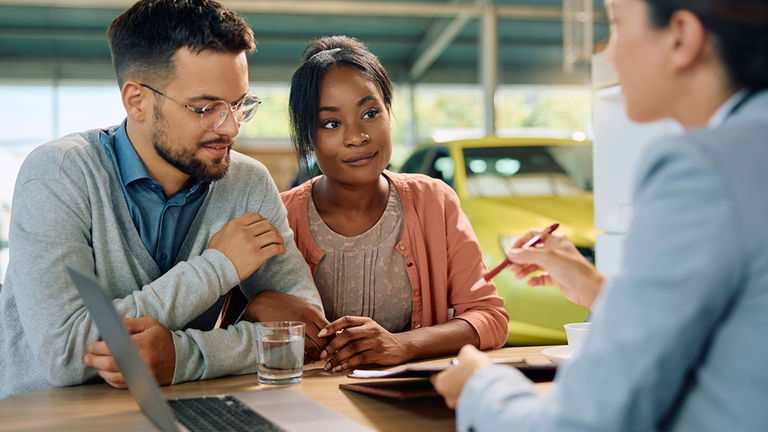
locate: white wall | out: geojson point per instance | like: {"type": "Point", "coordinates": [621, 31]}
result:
{"type": "Point", "coordinates": [618, 147]}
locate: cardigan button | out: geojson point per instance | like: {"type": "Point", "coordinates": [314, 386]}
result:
{"type": "Point", "coordinates": [410, 264]}
{"type": "Point", "coordinates": [402, 247]}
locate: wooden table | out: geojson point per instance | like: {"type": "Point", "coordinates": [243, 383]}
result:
{"type": "Point", "coordinates": [99, 407]}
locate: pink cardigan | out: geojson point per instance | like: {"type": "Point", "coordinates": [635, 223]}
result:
{"type": "Point", "coordinates": [442, 256]}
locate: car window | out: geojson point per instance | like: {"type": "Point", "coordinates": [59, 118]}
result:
{"type": "Point", "coordinates": [414, 163]}
{"type": "Point", "coordinates": [441, 165]}
{"type": "Point", "coordinates": [433, 161]}
{"type": "Point", "coordinates": [528, 170]}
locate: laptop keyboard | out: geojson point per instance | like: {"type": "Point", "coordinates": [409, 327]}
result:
{"type": "Point", "coordinates": [221, 414]}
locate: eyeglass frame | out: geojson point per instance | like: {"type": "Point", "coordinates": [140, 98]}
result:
{"type": "Point", "coordinates": [201, 111]}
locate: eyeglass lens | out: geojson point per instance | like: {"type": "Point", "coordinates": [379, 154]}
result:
{"type": "Point", "coordinates": [215, 113]}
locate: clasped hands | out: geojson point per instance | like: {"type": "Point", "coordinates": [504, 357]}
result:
{"type": "Point", "coordinates": [360, 340]}
{"type": "Point", "coordinates": [344, 344]}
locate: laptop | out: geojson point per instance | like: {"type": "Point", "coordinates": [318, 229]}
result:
{"type": "Point", "coordinates": [266, 410]}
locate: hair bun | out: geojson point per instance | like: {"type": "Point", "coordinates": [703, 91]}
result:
{"type": "Point", "coordinates": [332, 42]}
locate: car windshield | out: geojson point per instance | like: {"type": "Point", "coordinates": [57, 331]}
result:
{"type": "Point", "coordinates": [528, 170]}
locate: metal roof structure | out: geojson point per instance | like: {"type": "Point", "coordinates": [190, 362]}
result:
{"type": "Point", "coordinates": [437, 41]}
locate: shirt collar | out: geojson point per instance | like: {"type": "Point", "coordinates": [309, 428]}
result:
{"type": "Point", "coordinates": [725, 109]}
{"type": "Point", "coordinates": [128, 161]}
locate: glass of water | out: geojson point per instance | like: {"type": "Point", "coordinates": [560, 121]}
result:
{"type": "Point", "coordinates": [281, 352]}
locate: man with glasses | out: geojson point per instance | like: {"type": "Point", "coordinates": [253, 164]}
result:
{"type": "Point", "coordinates": [159, 208]}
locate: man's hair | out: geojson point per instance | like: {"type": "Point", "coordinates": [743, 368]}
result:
{"type": "Point", "coordinates": [740, 29]}
{"type": "Point", "coordinates": [144, 38]}
{"type": "Point", "coordinates": [320, 56]}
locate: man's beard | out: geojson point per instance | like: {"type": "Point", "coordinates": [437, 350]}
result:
{"type": "Point", "coordinates": [184, 159]}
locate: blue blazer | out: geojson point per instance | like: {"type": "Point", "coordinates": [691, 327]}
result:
{"type": "Point", "coordinates": [678, 340]}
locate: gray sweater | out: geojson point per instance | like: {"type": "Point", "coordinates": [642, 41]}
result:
{"type": "Point", "coordinates": [68, 209]}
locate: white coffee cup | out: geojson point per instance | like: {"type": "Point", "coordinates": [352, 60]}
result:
{"type": "Point", "coordinates": [576, 334]}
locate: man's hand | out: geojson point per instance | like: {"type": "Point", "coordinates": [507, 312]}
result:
{"type": "Point", "coordinates": [450, 382]}
{"type": "Point", "coordinates": [565, 267]}
{"type": "Point", "coordinates": [276, 306]}
{"type": "Point", "coordinates": [361, 340]}
{"type": "Point", "coordinates": [155, 344]}
{"type": "Point", "coordinates": [248, 241]}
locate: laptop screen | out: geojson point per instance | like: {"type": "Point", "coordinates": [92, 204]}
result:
{"type": "Point", "coordinates": [141, 383]}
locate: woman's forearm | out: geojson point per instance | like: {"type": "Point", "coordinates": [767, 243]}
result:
{"type": "Point", "coordinates": [437, 340]}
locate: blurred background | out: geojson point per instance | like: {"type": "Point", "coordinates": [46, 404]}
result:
{"type": "Point", "coordinates": [463, 70]}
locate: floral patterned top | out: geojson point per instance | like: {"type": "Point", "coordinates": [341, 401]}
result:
{"type": "Point", "coordinates": [364, 275]}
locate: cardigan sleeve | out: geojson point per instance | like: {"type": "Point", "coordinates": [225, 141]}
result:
{"type": "Point", "coordinates": [481, 307]}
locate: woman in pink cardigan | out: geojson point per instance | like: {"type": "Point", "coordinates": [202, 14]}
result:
{"type": "Point", "coordinates": [393, 255]}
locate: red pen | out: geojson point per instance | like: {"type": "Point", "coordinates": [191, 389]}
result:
{"type": "Point", "coordinates": [538, 238]}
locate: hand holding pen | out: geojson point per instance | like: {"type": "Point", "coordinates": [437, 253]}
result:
{"type": "Point", "coordinates": [559, 263]}
{"type": "Point", "coordinates": [538, 238]}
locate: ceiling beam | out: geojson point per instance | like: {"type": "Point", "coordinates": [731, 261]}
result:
{"type": "Point", "coordinates": [36, 70]}
{"type": "Point", "coordinates": [436, 40]}
{"type": "Point", "coordinates": [331, 7]}
{"type": "Point", "coordinates": [62, 34]}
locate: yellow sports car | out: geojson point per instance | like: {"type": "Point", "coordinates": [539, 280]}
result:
{"type": "Point", "coordinates": [508, 186]}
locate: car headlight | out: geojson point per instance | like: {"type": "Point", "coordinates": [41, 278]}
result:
{"type": "Point", "coordinates": [507, 242]}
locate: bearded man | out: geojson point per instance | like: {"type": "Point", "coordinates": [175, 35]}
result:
{"type": "Point", "coordinates": [159, 208]}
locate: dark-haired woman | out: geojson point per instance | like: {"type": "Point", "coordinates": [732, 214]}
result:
{"type": "Point", "coordinates": [676, 332]}
{"type": "Point", "coordinates": [392, 254]}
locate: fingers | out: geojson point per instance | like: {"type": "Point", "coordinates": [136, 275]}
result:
{"type": "Point", "coordinates": [350, 355]}
{"type": "Point", "coordinates": [522, 270]}
{"type": "Point", "coordinates": [269, 237]}
{"type": "Point", "coordinates": [266, 252]}
{"type": "Point", "coordinates": [442, 383]}
{"type": "Point", "coordinates": [342, 323]}
{"type": "Point", "coordinates": [341, 341]}
{"type": "Point", "coordinates": [350, 329]}
{"type": "Point", "coordinates": [107, 369]}
{"type": "Point", "coordinates": [99, 348]}
{"type": "Point", "coordinates": [260, 228]}
{"type": "Point", "coordinates": [101, 362]}
{"type": "Point", "coordinates": [265, 231]}
{"type": "Point", "coordinates": [139, 324]}
{"type": "Point", "coordinates": [540, 257]}
{"type": "Point", "coordinates": [311, 350]}
{"type": "Point", "coordinates": [248, 241]}
{"type": "Point", "coordinates": [525, 238]}
{"type": "Point", "coordinates": [541, 280]}
{"type": "Point", "coordinates": [319, 321]}
{"type": "Point", "coordinates": [354, 360]}
{"type": "Point", "coordinates": [313, 344]}
{"type": "Point", "coordinates": [469, 352]}
{"type": "Point", "coordinates": [115, 379]}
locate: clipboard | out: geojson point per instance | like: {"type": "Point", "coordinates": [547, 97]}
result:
{"type": "Point", "coordinates": [398, 390]}
{"type": "Point", "coordinates": [417, 384]}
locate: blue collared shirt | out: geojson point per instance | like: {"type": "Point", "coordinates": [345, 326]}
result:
{"type": "Point", "coordinates": [162, 222]}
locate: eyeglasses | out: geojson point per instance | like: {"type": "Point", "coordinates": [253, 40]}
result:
{"type": "Point", "coordinates": [213, 115]}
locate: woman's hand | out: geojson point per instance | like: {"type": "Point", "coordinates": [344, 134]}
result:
{"type": "Point", "coordinates": [563, 265]}
{"type": "Point", "coordinates": [450, 382]}
{"type": "Point", "coordinates": [361, 340]}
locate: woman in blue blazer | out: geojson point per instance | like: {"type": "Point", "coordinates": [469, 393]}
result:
{"type": "Point", "coordinates": [678, 337]}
